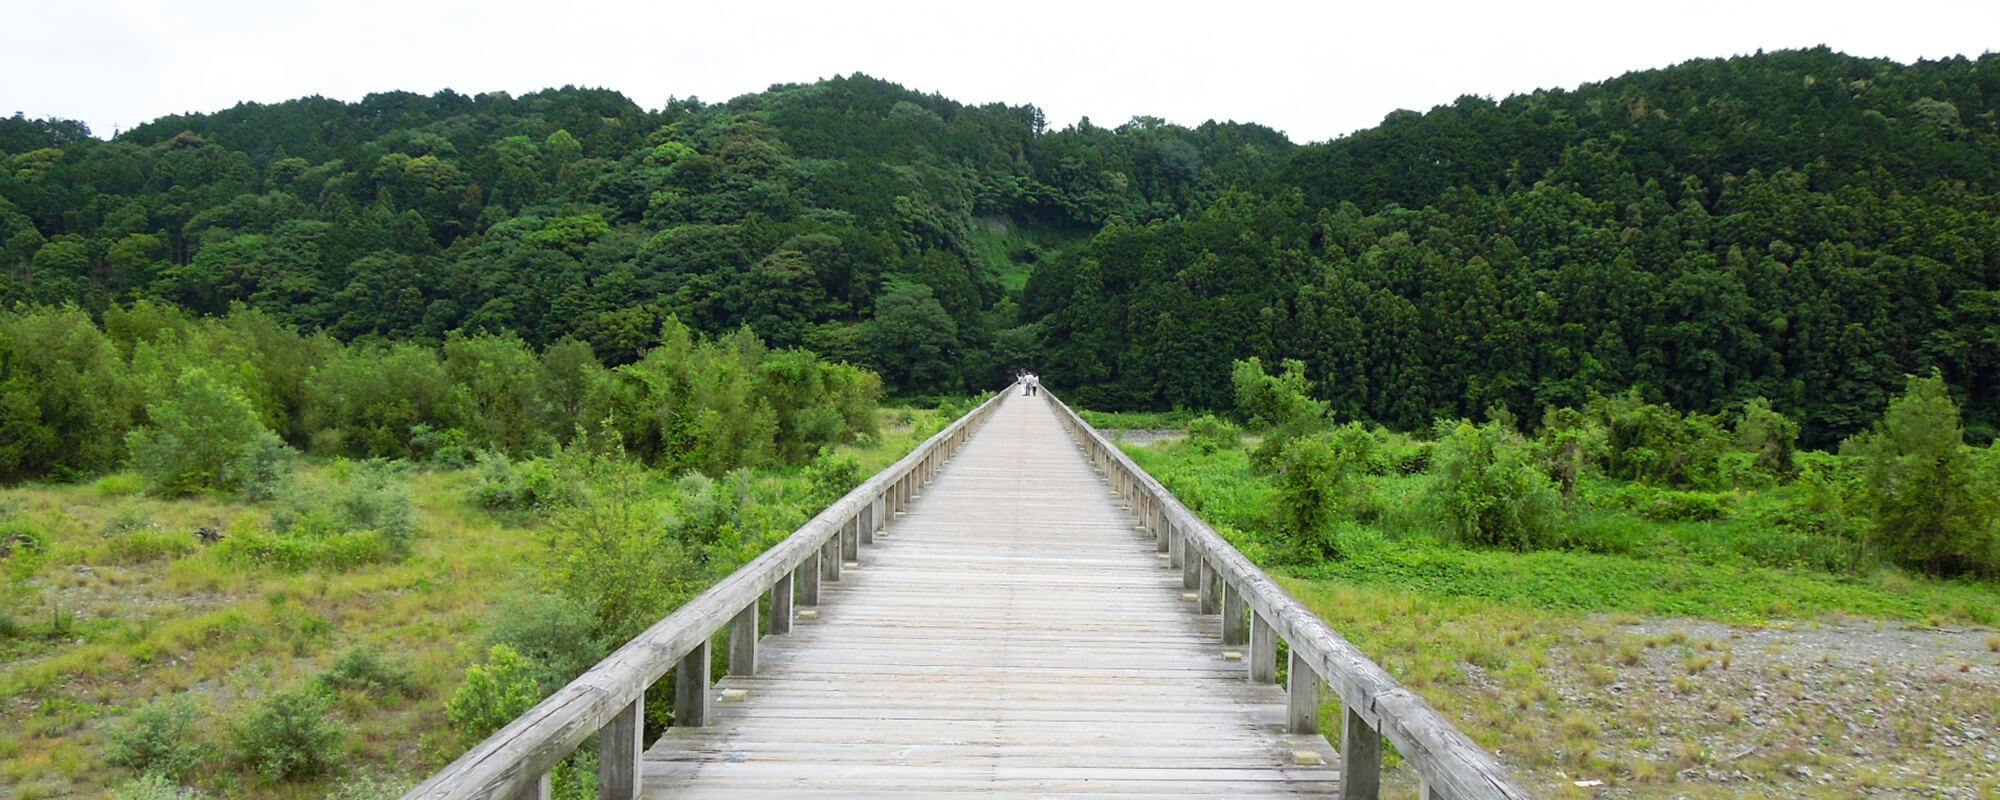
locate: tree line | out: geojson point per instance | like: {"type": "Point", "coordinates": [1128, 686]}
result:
{"type": "Point", "coordinates": [1802, 226]}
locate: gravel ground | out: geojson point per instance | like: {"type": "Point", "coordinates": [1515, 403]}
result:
{"type": "Point", "coordinates": [1852, 709]}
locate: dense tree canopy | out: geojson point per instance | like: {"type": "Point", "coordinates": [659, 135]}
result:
{"type": "Point", "coordinates": [1802, 226]}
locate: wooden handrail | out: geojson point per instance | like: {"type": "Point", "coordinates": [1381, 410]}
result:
{"type": "Point", "coordinates": [1449, 765]}
{"type": "Point", "coordinates": [610, 697]}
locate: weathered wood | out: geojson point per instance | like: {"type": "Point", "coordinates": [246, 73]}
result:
{"type": "Point", "coordinates": [1211, 588]}
{"type": "Point", "coordinates": [807, 576]}
{"type": "Point", "coordinates": [829, 559]}
{"type": "Point", "coordinates": [781, 605]}
{"type": "Point", "coordinates": [1435, 749]}
{"type": "Point", "coordinates": [1013, 637]}
{"type": "Point", "coordinates": [850, 539]}
{"type": "Point", "coordinates": [743, 642]}
{"type": "Point", "coordinates": [1232, 616]}
{"type": "Point", "coordinates": [865, 521]}
{"type": "Point", "coordinates": [1190, 569]}
{"type": "Point", "coordinates": [524, 750]}
{"type": "Point", "coordinates": [1263, 655]}
{"type": "Point", "coordinates": [1302, 693]}
{"type": "Point", "coordinates": [620, 745]}
{"type": "Point", "coordinates": [1360, 759]}
{"type": "Point", "coordinates": [541, 788]}
{"type": "Point", "coordinates": [691, 682]}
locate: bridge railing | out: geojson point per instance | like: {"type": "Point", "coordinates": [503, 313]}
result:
{"type": "Point", "coordinates": [1449, 766]}
{"type": "Point", "coordinates": [610, 698]}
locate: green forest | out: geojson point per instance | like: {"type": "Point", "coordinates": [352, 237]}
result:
{"type": "Point", "coordinates": [1802, 226]}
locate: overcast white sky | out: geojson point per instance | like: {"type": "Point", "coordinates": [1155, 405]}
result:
{"type": "Point", "coordinates": [1313, 70]}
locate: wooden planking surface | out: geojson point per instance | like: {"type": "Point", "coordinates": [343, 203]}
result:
{"type": "Point", "coordinates": [1012, 633]}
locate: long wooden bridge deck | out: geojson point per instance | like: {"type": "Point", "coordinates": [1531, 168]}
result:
{"type": "Point", "coordinates": [1049, 620]}
{"type": "Point", "coordinates": [1010, 633]}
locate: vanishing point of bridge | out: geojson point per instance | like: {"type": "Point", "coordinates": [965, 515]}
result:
{"type": "Point", "coordinates": [1013, 609]}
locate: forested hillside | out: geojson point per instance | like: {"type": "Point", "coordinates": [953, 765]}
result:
{"type": "Point", "coordinates": [1802, 226]}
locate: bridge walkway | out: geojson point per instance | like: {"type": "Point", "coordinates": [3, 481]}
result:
{"type": "Point", "coordinates": [1013, 633]}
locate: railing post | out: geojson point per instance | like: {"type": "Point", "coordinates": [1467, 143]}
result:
{"type": "Point", "coordinates": [1176, 546]}
{"type": "Point", "coordinates": [879, 508]}
{"type": "Point", "coordinates": [807, 574]}
{"type": "Point", "coordinates": [1232, 615]}
{"type": "Point", "coordinates": [1360, 759]}
{"type": "Point", "coordinates": [781, 604]}
{"type": "Point", "coordinates": [1190, 567]}
{"type": "Point", "coordinates": [1210, 591]}
{"type": "Point", "coordinates": [850, 539]}
{"type": "Point", "coordinates": [691, 688]}
{"type": "Point", "coordinates": [743, 641]}
{"type": "Point", "coordinates": [1161, 529]}
{"type": "Point", "coordinates": [1302, 698]}
{"type": "Point", "coordinates": [542, 788]}
{"type": "Point", "coordinates": [865, 518]}
{"type": "Point", "coordinates": [621, 744]}
{"type": "Point", "coordinates": [829, 559]}
{"type": "Point", "coordinates": [1263, 650]}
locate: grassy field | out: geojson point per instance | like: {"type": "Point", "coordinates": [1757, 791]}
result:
{"type": "Point", "coordinates": [1683, 665]}
{"type": "Point", "coordinates": [115, 603]}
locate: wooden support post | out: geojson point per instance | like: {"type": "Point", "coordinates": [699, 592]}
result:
{"type": "Point", "coordinates": [1162, 532]}
{"type": "Point", "coordinates": [621, 744]}
{"type": "Point", "coordinates": [1263, 650]}
{"type": "Point", "coordinates": [807, 574]}
{"type": "Point", "coordinates": [1176, 546]}
{"type": "Point", "coordinates": [743, 641]}
{"type": "Point", "coordinates": [542, 788]}
{"type": "Point", "coordinates": [1190, 568]}
{"type": "Point", "coordinates": [831, 559]}
{"type": "Point", "coordinates": [850, 539]}
{"type": "Point", "coordinates": [1302, 698]}
{"type": "Point", "coordinates": [1360, 759]}
{"type": "Point", "coordinates": [866, 519]}
{"type": "Point", "coordinates": [879, 508]}
{"type": "Point", "coordinates": [691, 688]}
{"type": "Point", "coordinates": [1232, 615]}
{"type": "Point", "coordinates": [1211, 589]}
{"type": "Point", "coordinates": [1425, 791]}
{"type": "Point", "coordinates": [781, 605]}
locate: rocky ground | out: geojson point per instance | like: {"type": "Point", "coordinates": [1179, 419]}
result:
{"type": "Point", "coordinates": [1849, 709]}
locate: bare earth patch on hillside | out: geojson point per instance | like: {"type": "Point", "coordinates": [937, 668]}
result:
{"type": "Point", "coordinates": [1687, 708]}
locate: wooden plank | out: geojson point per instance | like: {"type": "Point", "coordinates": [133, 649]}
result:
{"type": "Point", "coordinates": [620, 746]}
{"type": "Point", "coordinates": [1015, 635]}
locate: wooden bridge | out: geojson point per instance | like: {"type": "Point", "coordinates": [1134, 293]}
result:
{"type": "Point", "coordinates": [1046, 621]}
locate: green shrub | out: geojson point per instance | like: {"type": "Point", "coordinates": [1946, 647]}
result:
{"type": "Point", "coordinates": [1309, 479]}
{"type": "Point", "coordinates": [353, 498]}
{"type": "Point", "coordinates": [1931, 506]}
{"type": "Point", "coordinates": [829, 478]}
{"type": "Point", "coordinates": [290, 736]}
{"type": "Point", "coordinates": [1657, 445]}
{"type": "Point", "coordinates": [555, 635]}
{"type": "Point", "coordinates": [369, 785]}
{"type": "Point", "coordinates": [607, 553]}
{"type": "Point", "coordinates": [119, 484]}
{"type": "Point", "coordinates": [1209, 433]}
{"type": "Point", "coordinates": [66, 398]}
{"type": "Point", "coordinates": [504, 484]}
{"type": "Point", "coordinates": [162, 738]}
{"type": "Point", "coordinates": [493, 694]}
{"type": "Point", "coordinates": [1490, 489]}
{"type": "Point", "coordinates": [153, 786]}
{"type": "Point", "coordinates": [205, 435]}
{"type": "Point", "coordinates": [361, 669]}
{"type": "Point", "coordinates": [1769, 438]}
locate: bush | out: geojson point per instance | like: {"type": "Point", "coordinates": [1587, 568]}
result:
{"type": "Point", "coordinates": [1654, 444]}
{"type": "Point", "coordinates": [152, 786]}
{"type": "Point", "coordinates": [361, 669]}
{"type": "Point", "coordinates": [1309, 478]}
{"type": "Point", "coordinates": [1490, 488]}
{"type": "Point", "coordinates": [1208, 433]}
{"type": "Point", "coordinates": [370, 496]}
{"type": "Point", "coordinates": [289, 735]}
{"type": "Point", "coordinates": [829, 478]}
{"type": "Point", "coordinates": [1769, 438]}
{"type": "Point", "coordinates": [1922, 487]}
{"type": "Point", "coordinates": [504, 484]}
{"type": "Point", "coordinates": [493, 694]}
{"type": "Point", "coordinates": [163, 738]}
{"type": "Point", "coordinates": [205, 436]}
{"type": "Point", "coordinates": [607, 554]}
{"type": "Point", "coordinates": [554, 634]}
